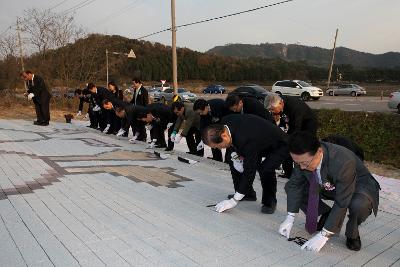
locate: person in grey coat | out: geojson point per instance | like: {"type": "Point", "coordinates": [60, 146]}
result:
{"type": "Point", "coordinates": [328, 171]}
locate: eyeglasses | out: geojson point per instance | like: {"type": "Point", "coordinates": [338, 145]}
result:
{"type": "Point", "coordinates": [305, 163]}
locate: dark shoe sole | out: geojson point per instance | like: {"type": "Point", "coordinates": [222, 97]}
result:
{"type": "Point", "coordinates": [353, 244]}
{"type": "Point", "coordinates": [268, 209]}
{"type": "Point", "coordinates": [245, 198]}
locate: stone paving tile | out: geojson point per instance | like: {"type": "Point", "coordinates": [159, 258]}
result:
{"type": "Point", "coordinates": [57, 209]}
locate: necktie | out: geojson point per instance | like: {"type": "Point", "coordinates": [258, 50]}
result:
{"type": "Point", "coordinates": [312, 206]}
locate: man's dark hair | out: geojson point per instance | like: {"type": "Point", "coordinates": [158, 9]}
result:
{"type": "Point", "coordinates": [113, 84]}
{"type": "Point", "coordinates": [28, 72]}
{"type": "Point", "coordinates": [178, 105]}
{"type": "Point", "coordinates": [119, 109]}
{"type": "Point", "coordinates": [303, 142]}
{"type": "Point", "coordinates": [90, 86]}
{"type": "Point", "coordinates": [78, 91]}
{"type": "Point", "coordinates": [200, 104]}
{"type": "Point", "coordinates": [136, 80]}
{"type": "Point", "coordinates": [232, 100]}
{"type": "Point", "coordinates": [105, 101]}
{"type": "Point", "coordinates": [212, 134]}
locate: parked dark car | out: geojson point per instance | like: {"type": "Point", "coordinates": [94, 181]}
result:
{"type": "Point", "coordinates": [253, 90]}
{"type": "Point", "coordinates": [214, 89]}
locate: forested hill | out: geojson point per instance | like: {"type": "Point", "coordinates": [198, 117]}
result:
{"type": "Point", "coordinates": [313, 55]}
{"type": "Point", "coordinates": [85, 60]}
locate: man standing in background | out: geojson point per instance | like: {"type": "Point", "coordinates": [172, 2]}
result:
{"type": "Point", "coordinates": [40, 95]}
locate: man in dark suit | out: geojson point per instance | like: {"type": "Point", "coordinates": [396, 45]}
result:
{"type": "Point", "coordinates": [211, 111]}
{"type": "Point", "coordinates": [247, 105]}
{"type": "Point", "coordinates": [140, 98]}
{"type": "Point", "coordinates": [250, 139]}
{"type": "Point", "coordinates": [40, 95]}
{"type": "Point", "coordinates": [187, 125]}
{"type": "Point", "coordinates": [129, 115]}
{"type": "Point", "coordinates": [160, 118]}
{"type": "Point", "coordinates": [99, 95]}
{"type": "Point", "coordinates": [297, 115]}
{"type": "Point", "coordinates": [328, 171]}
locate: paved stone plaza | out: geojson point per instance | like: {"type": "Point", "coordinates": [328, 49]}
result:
{"type": "Point", "coordinates": [72, 196]}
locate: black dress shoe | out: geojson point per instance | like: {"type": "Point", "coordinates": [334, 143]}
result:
{"type": "Point", "coordinates": [37, 123]}
{"type": "Point", "coordinates": [353, 244]}
{"type": "Point", "coordinates": [44, 124]}
{"type": "Point", "coordinates": [168, 149]}
{"type": "Point", "coordinates": [269, 209]}
{"type": "Point", "coordinates": [322, 219]}
{"type": "Point", "coordinates": [246, 197]}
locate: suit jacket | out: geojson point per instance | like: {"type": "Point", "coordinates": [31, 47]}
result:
{"type": "Point", "coordinates": [39, 88]}
{"type": "Point", "coordinates": [252, 138]}
{"type": "Point", "coordinates": [252, 106]}
{"type": "Point", "coordinates": [140, 97]}
{"type": "Point", "coordinates": [131, 115]}
{"type": "Point", "coordinates": [103, 94]}
{"type": "Point", "coordinates": [218, 110]}
{"type": "Point", "coordinates": [300, 115]}
{"type": "Point", "coordinates": [346, 172]}
{"type": "Point", "coordinates": [188, 120]}
{"type": "Point", "coordinates": [162, 114]}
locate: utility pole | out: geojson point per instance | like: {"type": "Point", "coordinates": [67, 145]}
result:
{"type": "Point", "coordinates": [333, 57]}
{"type": "Point", "coordinates": [174, 59]}
{"type": "Point", "coordinates": [107, 65]}
{"type": "Point", "coordinates": [20, 46]}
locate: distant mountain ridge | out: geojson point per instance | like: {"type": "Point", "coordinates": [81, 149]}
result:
{"type": "Point", "coordinates": [316, 56]}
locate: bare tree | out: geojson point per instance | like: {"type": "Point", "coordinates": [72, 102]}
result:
{"type": "Point", "coordinates": [8, 45]}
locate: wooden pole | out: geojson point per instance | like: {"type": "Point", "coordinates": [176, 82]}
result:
{"type": "Point", "coordinates": [20, 46]}
{"type": "Point", "coordinates": [332, 59]}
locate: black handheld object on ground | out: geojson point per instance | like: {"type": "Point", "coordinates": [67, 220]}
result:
{"type": "Point", "coordinates": [298, 240]}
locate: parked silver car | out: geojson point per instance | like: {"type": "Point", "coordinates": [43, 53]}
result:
{"type": "Point", "coordinates": [394, 101]}
{"type": "Point", "coordinates": [347, 89]}
{"type": "Point", "coordinates": [166, 95]}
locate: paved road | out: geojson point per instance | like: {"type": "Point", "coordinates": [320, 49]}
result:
{"type": "Point", "coordinates": [71, 196]}
{"type": "Point", "coordinates": [364, 103]}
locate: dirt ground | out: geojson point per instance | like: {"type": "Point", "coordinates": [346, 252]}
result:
{"type": "Point", "coordinates": [27, 112]}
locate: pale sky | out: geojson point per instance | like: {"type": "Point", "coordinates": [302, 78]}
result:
{"type": "Point", "coordinates": [364, 25]}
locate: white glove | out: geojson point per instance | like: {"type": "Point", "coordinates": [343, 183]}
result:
{"type": "Point", "coordinates": [149, 127]}
{"type": "Point", "coordinates": [121, 132]}
{"type": "Point", "coordinates": [286, 226]}
{"type": "Point", "coordinates": [172, 137]}
{"type": "Point", "coordinates": [152, 144]}
{"type": "Point", "coordinates": [169, 125]}
{"type": "Point", "coordinates": [87, 116]}
{"type": "Point", "coordinates": [30, 96]}
{"type": "Point", "coordinates": [107, 128]}
{"type": "Point", "coordinates": [200, 146]}
{"type": "Point", "coordinates": [133, 139]}
{"type": "Point", "coordinates": [79, 113]}
{"type": "Point", "coordinates": [225, 205]}
{"type": "Point", "coordinates": [96, 108]}
{"type": "Point", "coordinates": [178, 138]}
{"type": "Point", "coordinates": [315, 243]}
{"type": "Point", "coordinates": [237, 162]}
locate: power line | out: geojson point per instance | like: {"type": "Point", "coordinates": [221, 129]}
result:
{"type": "Point", "coordinates": [118, 12]}
{"type": "Point", "coordinates": [59, 4]}
{"type": "Point", "coordinates": [217, 18]}
{"type": "Point", "coordinates": [78, 6]}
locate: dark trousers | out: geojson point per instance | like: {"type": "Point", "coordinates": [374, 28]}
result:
{"type": "Point", "coordinates": [217, 154]}
{"type": "Point", "coordinates": [42, 110]}
{"type": "Point", "coordinates": [266, 170]}
{"type": "Point", "coordinates": [359, 209]}
{"type": "Point", "coordinates": [170, 143]}
{"type": "Point", "coordinates": [193, 138]}
{"type": "Point", "coordinates": [287, 166]}
{"type": "Point", "coordinates": [139, 127]}
{"type": "Point", "coordinates": [157, 132]}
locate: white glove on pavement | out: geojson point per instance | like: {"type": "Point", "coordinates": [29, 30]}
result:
{"type": "Point", "coordinates": [121, 132]}
{"type": "Point", "coordinates": [149, 127]}
{"type": "Point", "coordinates": [315, 243]}
{"type": "Point", "coordinates": [169, 125]}
{"type": "Point", "coordinates": [287, 224]}
{"type": "Point", "coordinates": [133, 139]}
{"type": "Point", "coordinates": [152, 144]}
{"type": "Point", "coordinates": [107, 128]}
{"type": "Point", "coordinates": [225, 205]}
{"type": "Point", "coordinates": [237, 162]}
{"type": "Point", "coordinates": [96, 108]}
{"type": "Point", "coordinates": [178, 138]}
{"type": "Point", "coordinates": [79, 113]}
{"type": "Point", "coordinates": [30, 96]}
{"type": "Point", "coordinates": [200, 146]}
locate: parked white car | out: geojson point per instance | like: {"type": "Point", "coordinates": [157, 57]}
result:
{"type": "Point", "coordinates": [394, 101]}
{"type": "Point", "coordinates": [297, 88]}
{"type": "Point", "coordinates": [347, 89]}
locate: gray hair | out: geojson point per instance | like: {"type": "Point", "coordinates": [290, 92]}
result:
{"type": "Point", "coordinates": [272, 100]}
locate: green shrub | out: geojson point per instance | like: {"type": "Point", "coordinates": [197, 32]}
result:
{"type": "Point", "coordinates": [377, 133]}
